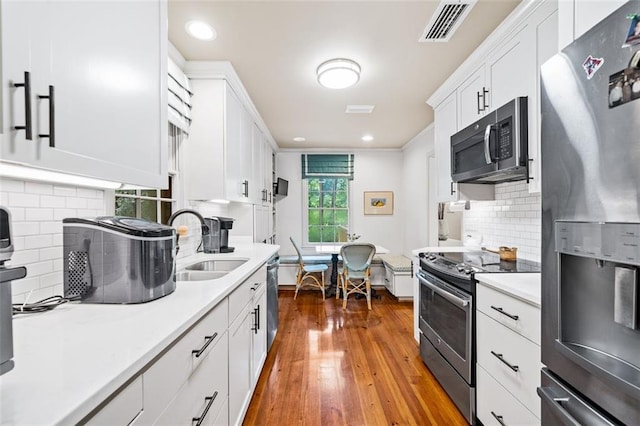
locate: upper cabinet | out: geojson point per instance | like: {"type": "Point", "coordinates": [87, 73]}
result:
{"type": "Point", "coordinates": [579, 16]}
{"type": "Point", "coordinates": [81, 98]}
{"type": "Point", "coordinates": [227, 146]}
{"type": "Point", "coordinates": [504, 67]}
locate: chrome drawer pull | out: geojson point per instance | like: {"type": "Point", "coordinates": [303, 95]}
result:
{"type": "Point", "coordinates": [501, 358]}
{"type": "Point", "coordinates": [513, 317]}
{"type": "Point", "coordinates": [208, 340]}
{"type": "Point", "coordinates": [498, 418]}
{"type": "Point", "coordinates": [209, 400]}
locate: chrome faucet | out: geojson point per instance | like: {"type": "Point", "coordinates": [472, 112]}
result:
{"type": "Point", "coordinates": [205, 228]}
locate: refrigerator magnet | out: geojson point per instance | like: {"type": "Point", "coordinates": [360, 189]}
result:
{"type": "Point", "coordinates": [633, 35]}
{"type": "Point", "coordinates": [591, 65]}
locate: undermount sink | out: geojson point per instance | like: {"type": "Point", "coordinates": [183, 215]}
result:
{"type": "Point", "coordinates": [226, 265]}
{"type": "Point", "coordinates": [200, 275]}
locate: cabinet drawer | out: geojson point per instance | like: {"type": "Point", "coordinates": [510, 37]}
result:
{"type": "Point", "coordinates": [494, 339]}
{"type": "Point", "coordinates": [123, 408]}
{"type": "Point", "coordinates": [494, 399]}
{"type": "Point", "coordinates": [497, 304]}
{"type": "Point", "coordinates": [204, 393]}
{"type": "Point", "coordinates": [243, 294]}
{"type": "Point", "coordinates": [165, 377]}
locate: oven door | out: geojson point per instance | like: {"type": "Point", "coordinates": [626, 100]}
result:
{"type": "Point", "coordinates": [446, 320]}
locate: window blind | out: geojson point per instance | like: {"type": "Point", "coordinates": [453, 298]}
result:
{"type": "Point", "coordinates": [179, 97]}
{"type": "Point", "coordinates": [327, 165]}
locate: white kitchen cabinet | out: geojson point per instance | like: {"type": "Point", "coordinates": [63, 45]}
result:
{"type": "Point", "coordinates": [508, 357]}
{"type": "Point", "coordinates": [242, 343]}
{"type": "Point", "coordinates": [259, 336]}
{"type": "Point", "coordinates": [445, 120]}
{"type": "Point", "coordinates": [109, 88]}
{"type": "Point", "coordinates": [219, 147]}
{"type": "Point", "coordinates": [472, 98]}
{"type": "Point", "coordinates": [123, 408]}
{"type": "Point", "coordinates": [579, 16]}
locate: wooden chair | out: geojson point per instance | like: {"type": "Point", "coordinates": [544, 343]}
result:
{"type": "Point", "coordinates": [356, 270]}
{"type": "Point", "coordinates": [306, 275]}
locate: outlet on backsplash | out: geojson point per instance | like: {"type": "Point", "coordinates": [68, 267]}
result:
{"type": "Point", "coordinates": [513, 219]}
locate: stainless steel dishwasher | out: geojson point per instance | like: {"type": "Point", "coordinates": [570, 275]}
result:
{"type": "Point", "coordinates": [272, 299]}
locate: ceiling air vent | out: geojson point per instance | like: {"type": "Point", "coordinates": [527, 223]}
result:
{"type": "Point", "coordinates": [446, 19]}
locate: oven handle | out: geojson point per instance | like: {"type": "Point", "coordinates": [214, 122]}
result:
{"type": "Point", "coordinates": [445, 294]}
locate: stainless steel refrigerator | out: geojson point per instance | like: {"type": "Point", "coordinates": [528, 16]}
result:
{"type": "Point", "coordinates": [590, 97]}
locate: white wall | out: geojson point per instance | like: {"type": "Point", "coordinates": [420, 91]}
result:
{"type": "Point", "coordinates": [415, 179]}
{"type": "Point", "coordinates": [513, 219]}
{"type": "Point", "coordinates": [37, 210]}
{"type": "Point", "coordinates": [374, 171]}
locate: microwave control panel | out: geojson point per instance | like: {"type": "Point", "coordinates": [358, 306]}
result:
{"type": "Point", "coordinates": [505, 145]}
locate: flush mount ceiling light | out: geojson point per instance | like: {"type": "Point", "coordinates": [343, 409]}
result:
{"type": "Point", "coordinates": [299, 139]}
{"type": "Point", "coordinates": [338, 73]}
{"type": "Point", "coordinates": [367, 138]}
{"type": "Point", "coordinates": [200, 30]}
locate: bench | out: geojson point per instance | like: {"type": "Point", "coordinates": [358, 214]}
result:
{"type": "Point", "coordinates": [398, 275]}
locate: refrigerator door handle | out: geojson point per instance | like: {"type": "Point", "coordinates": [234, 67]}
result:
{"type": "Point", "coordinates": [555, 404]}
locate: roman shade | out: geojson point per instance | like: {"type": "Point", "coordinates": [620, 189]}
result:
{"type": "Point", "coordinates": [327, 165]}
{"type": "Point", "coordinates": [179, 97]}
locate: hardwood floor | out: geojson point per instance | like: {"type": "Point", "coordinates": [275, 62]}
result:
{"type": "Point", "coordinates": [330, 366]}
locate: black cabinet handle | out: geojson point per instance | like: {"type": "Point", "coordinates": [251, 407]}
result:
{"type": "Point", "coordinates": [498, 418]}
{"type": "Point", "coordinates": [254, 327]}
{"type": "Point", "coordinates": [452, 190]}
{"type": "Point", "coordinates": [485, 105]}
{"type": "Point", "coordinates": [499, 309]}
{"type": "Point", "coordinates": [208, 340]}
{"type": "Point", "coordinates": [245, 191]}
{"type": "Point", "coordinates": [478, 102]}
{"type": "Point", "coordinates": [270, 195]}
{"type": "Point", "coordinates": [258, 318]}
{"type": "Point", "coordinates": [209, 400]}
{"type": "Point", "coordinates": [52, 117]}
{"type": "Point", "coordinates": [501, 358]}
{"type": "Point", "coordinates": [27, 106]}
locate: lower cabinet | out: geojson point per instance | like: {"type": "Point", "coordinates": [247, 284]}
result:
{"type": "Point", "coordinates": [508, 356]}
{"type": "Point", "coordinates": [208, 375]}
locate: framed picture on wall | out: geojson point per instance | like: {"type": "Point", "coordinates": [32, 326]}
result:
{"type": "Point", "coordinates": [378, 202]}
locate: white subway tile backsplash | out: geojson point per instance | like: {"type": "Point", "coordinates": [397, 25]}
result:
{"type": "Point", "coordinates": [37, 210]}
{"type": "Point", "coordinates": [38, 214]}
{"type": "Point", "coordinates": [65, 191]}
{"type": "Point", "coordinates": [513, 219]}
{"type": "Point", "coordinates": [38, 188]}
{"type": "Point", "coordinates": [52, 201]}
{"type": "Point", "coordinates": [23, 200]}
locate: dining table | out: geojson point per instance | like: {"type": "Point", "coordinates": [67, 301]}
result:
{"type": "Point", "coordinates": [334, 251]}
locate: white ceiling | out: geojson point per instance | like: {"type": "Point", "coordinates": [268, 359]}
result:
{"type": "Point", "coordinates": [276, 46]}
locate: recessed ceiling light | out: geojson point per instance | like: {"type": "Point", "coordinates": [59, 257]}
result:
{"type": "Point", "coordinates": [367, 138]}
{"type": "Point", "coordinates": [200, 30]}
{"type": "Point", "coordinates": [299, 139]}
{"type": "Point", "coordinates": [338, 73]}
{"type": "Point", "coordinates": [359, 109]}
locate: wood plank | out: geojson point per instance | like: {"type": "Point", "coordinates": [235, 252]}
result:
{"type": "Point", "coordinates": [335, 366]}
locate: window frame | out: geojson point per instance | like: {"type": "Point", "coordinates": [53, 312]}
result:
{"type": "Point", "coordinates": [305, 211]}
{"type": "Point", "coordinates": [158, 198]}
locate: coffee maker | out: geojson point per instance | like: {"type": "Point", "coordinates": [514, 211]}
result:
{"type": "Point", "coordinates": [217, 240]}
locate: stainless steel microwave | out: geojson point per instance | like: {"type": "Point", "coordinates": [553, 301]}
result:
{"type": "Point", "coordinates": [494, 149]}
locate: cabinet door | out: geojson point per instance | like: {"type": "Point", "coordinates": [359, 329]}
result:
{"type": "Point", "coordinates": [235, 187]}
{"type": "Point", "coordinates": [267, 172]}
{"type": "Point", "coordinates": [511, 69]}
{"type": "Point", "coordinates": [259, 341]}
{"type": "Point", "coordinates": [109, 88]}
{"type": "Point", "coordinates": [240, 377]}
{"type": "Point", "coordinates": [473, 98]}
{"type": "Point", "coordinates": [546, 34]}
{"type": "Point", "coordinates": [445, 120]}
{"type": "Point", "coordinates": [257, 193]}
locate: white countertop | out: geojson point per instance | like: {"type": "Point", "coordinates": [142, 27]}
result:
{"type": "Point", "coordinates": [524, 286]}
{"type": "Point", "coordinates": [69, 360]}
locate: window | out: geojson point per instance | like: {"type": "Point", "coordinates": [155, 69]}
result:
{"type": "Point", "coordinates": [150, 204]}
{"type": "Point", "coordinates": [327, 210]}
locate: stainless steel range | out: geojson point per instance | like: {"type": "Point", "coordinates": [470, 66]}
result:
{"type": "Point", "coordinates": [447, 318]}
